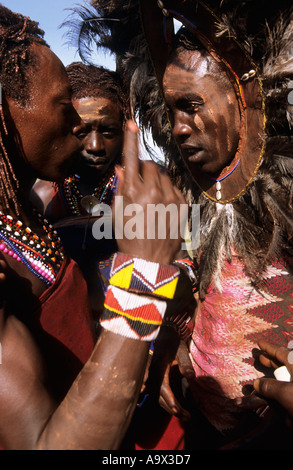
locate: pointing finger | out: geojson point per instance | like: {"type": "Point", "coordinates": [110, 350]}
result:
{"type": "Point", "coordinates": [130, 153]}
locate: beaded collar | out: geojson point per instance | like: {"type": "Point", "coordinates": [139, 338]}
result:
{"type": "Point", "coordinates": [42, 258]}
{"type": "Point", "coordinates": [72, 196]}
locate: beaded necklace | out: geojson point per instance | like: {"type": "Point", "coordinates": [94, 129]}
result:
{"type": "Point", "coordinates": [42, 258]}
{"type": "Point", "coordinates": [218, 180]}
{"type": "Point", "coordinates": [72, 196]}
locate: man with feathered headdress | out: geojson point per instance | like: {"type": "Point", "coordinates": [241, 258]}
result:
{"type": "Point", "coordinates": [226, 131]}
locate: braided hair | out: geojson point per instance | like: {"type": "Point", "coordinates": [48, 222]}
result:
{"type": "Point", "coordinates": [92, 81]}
{"type": "Point", "coordinates": [17, 34]}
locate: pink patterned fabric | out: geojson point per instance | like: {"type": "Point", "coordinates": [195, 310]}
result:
{"type": "Point", "coordinates": [228, 325]}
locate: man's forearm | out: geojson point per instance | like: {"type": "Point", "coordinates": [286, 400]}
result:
{"type": "Point", "coordinates": [96, 412]}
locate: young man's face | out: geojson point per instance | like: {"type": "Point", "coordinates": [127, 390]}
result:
{"type": "Point", "coordinates": [46, 127]}
{"type": "Point", "coordinates": [103, 135]}
{"type": "Point", "coordinates": [204, 113]}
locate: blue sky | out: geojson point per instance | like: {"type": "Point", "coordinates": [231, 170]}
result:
{"type": "Point", "coordinates": [50, 14]}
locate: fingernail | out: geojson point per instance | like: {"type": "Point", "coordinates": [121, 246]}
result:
{"type": "Point", "coordinates": [256, 383]}
{"type": "Point", "coordinates": [282, 374]}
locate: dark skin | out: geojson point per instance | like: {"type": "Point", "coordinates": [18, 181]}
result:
{"type": "Point", "coordinates": [197, 113]}
{"type": "Point", "coordinates": [102, 140]}
{"type": "Point", "coordinates": [275, 356]}
{"type": "Point", "coordinates": [99, 404]}
{"type": "Point", "coordinates": [103, 137]}
{"type": "Point", "coordinates": [205, 117]}
{"type": "Point", "coordinates": [170, 354]}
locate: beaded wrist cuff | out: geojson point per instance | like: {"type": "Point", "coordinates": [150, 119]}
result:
{"type": "Point", "coordinates": [131, 315]}
{"type": "Point", "coordinates": [191, 270]}
{"type": "Point", "coordinates": [145, 277]}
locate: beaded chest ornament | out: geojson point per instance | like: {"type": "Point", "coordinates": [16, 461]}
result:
{"type": "Point", "coordinates": [42, 258]}
{"type": "Point", "coordinates": [73, 197]}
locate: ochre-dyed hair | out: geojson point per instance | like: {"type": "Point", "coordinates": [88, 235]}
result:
{"type": "Point", "coordinates": [17, 34]}
{"type": "Point", "coordinates": [94, 82]}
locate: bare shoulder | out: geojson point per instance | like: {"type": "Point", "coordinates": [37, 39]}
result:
{"type": "Point", "coordinates": [17, 342]}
